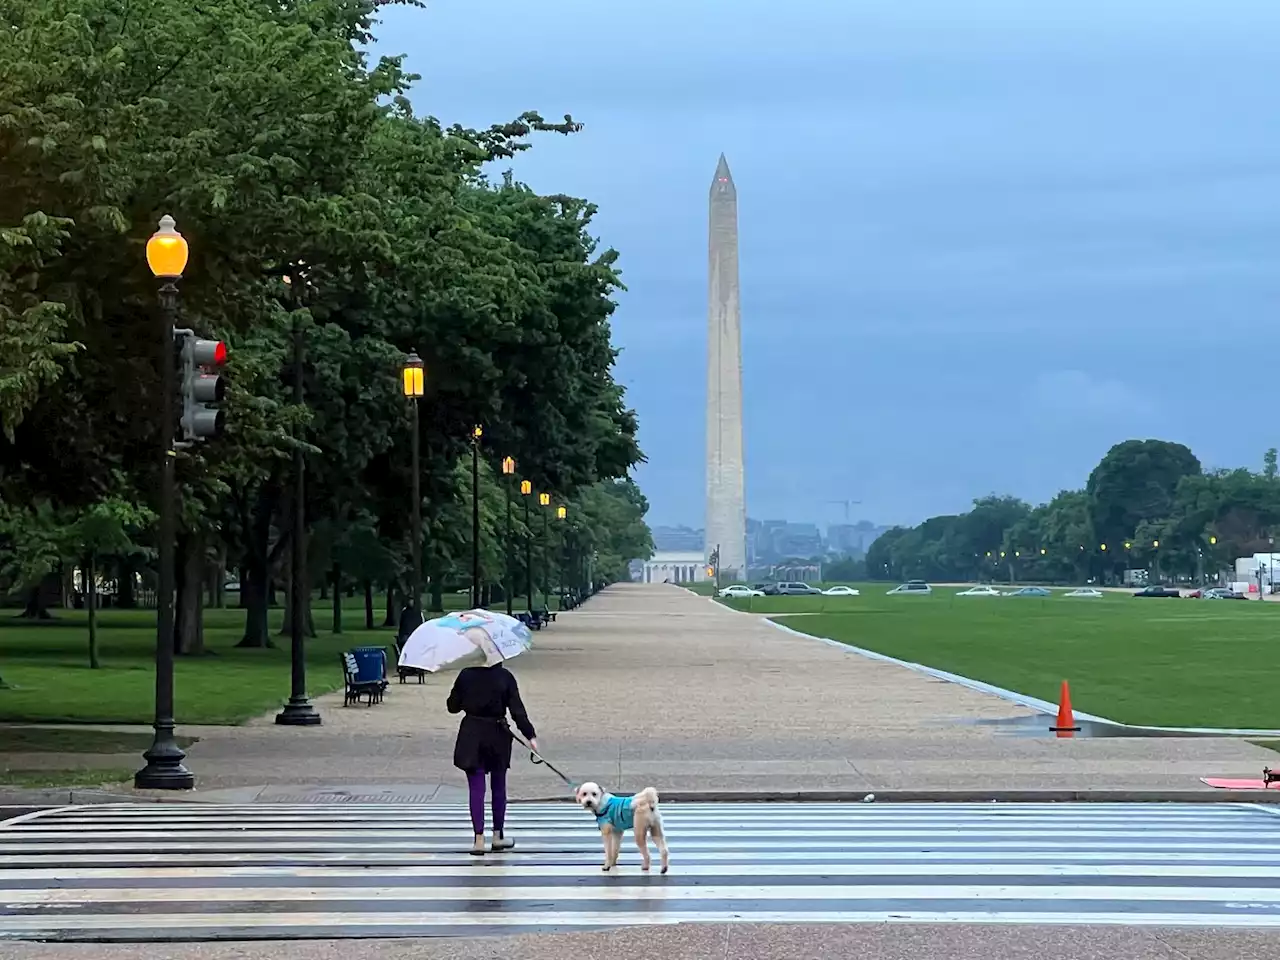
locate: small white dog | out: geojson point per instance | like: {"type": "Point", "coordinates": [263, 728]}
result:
{"type": "Point", "coordinates": [616, 815]}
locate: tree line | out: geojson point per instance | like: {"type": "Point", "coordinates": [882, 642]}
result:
{"type": "Point", "coordinates": [313, 197]}
{"type": "Point", "coordinates": [1148, 504]}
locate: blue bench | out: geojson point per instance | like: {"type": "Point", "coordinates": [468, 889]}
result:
{"type": "Point", "coordinates": [364, 677]}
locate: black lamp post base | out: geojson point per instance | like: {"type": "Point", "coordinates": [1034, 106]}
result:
{"type": "Point", "coordinates": [298, 712]}
{"type": "Point", "coordinates": [164, 769]}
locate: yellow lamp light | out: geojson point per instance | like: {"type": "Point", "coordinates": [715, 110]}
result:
{"type": "Point", "coordinates": [413, 376]}
{"type": "Point", "coordinates": [544, 499]}
{"type": "Point", "coordinates": [477, 432]}
{"type": "Point", "coordinates": [711, 571]}
{"type": "Point", "coordinates": [1127, 544]}
{"type": "Point", "coordinates": [1103, 548]}
{"type": "Point", "coordinates": [1043, 551]}
{"type": "Point", "coordinates": [1155, 543]}
{"type": "Point", "coordinates": [167, 250]}
{"type": "Point", "coordinates": [1213, 540]}
{"type": "Point", "coordinates": [526, 487]}
{"type": "Point", "coordinates": [561, 512]}
{"type": "Point", "coordinates": [508, 466]}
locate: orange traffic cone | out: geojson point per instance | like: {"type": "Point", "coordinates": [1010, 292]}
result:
{"type": "Point", "coordinates": [1066, 725]}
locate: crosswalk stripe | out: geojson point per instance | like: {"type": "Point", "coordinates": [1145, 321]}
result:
{"type": "Point", "coordinates": [208, 871]}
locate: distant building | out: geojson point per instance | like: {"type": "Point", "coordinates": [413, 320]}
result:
{"type": "Point", "coordinates": [676, 566]}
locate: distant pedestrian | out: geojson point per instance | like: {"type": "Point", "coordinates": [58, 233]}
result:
{"type": "Point", "coordinates": [484, 696]}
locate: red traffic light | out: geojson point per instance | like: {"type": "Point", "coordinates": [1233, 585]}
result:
{"type": "Point", "coordinates": [208, 353]}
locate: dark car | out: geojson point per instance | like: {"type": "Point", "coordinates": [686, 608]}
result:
{"type": "Point", "coordinates": [1159, 592]}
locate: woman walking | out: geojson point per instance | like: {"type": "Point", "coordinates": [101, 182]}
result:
{"type": "Point", "coordinates": [484, 696]}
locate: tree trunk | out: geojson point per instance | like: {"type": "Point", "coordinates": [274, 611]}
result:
{"type": "Point", "coordinates": [218, 583]}
{"type": "Point", "coordinates": [391, 619]}
{"type": "Point", "coordinates": [368, 604]}
{"type": "Point", "coordinates": [255, 577]}
{"type": "Point", "coordinates": [337, 597]}
{"type": "Point", "coordinates": [324, 590]}
{"type": "Point", "coordinates": [91, 597]}
{"type": "Point", "coordinates": [36, 608]}
{"type": "Point", "coordinates": [126, 598]}
{"type": "Point", "coordinates": [188, 627]}
{"type": "Point", "coordinates": [437, 595]}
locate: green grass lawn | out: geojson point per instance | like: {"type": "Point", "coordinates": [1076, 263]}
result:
{"type": "Point", "coordinates": [1142, 661]}
{"type": "Point", "coordinates": [46, 666]}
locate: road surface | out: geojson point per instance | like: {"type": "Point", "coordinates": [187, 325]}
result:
{"type": "Point", "coordinates": [189, 871]}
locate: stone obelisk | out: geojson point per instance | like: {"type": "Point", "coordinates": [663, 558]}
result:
{"type": "Point", "coordinates": [726, 522]}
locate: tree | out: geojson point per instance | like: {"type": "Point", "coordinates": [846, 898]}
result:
{"type": "Point", "coordinates": [1137, 480]}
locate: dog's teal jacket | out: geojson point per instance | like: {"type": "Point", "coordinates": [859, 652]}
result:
{"type": "Point", "coordinates": [617, 812]}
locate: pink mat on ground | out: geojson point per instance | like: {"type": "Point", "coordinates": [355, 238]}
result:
{"type": "Point", "coordinates": [1223, 783]}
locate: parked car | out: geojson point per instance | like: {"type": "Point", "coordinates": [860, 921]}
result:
{"type": "Point", "coordinates": [740, 590]}
{"type": "Point", "coordinates": [1159, 592]}
{"type": "Point", "coordinates": [797, 590]}
{"type": "Point", "coordinates": [981, 591]}
{"type": "Point", "coordinates": [917, 588]}
{"type": "Point", "coordinates": [1028, 592]}
{"type": "Point", "coordinates": [840, 590]}
{"type": "Point", "coordinates": [1091, 592]}
{"type": "Point", "coordinates": [1222, 593]}
{"type": "Point", "coordinates": [768, 589]}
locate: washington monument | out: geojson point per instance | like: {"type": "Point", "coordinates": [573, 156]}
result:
{"type": "Point", "coordinates": [726, 522]}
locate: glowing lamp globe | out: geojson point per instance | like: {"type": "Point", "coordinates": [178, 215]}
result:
{"type": "Point", "coordinates": [167, 250]}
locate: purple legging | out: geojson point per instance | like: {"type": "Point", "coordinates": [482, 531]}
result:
{"type": "Point", "coordinates": [475, 785]}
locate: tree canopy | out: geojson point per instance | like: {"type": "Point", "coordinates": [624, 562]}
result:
{"type": "Point", "coordinates": [315, 200]}
{"type": "Point", "coordinates": [1148, 504]}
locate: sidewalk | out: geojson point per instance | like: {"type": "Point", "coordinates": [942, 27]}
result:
{"type": "Point", "coordinates": [650, 684]}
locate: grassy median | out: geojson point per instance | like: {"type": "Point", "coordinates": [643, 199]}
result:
{"type": "Point", "coordinates": [1196, 663]}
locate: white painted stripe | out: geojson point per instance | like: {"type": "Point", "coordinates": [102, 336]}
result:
{"type": "Point", "coordinates": [656, 891]}
{"type": "Point", "coordinates": [483, 869]}
{"type": "Point", "coordinates": [371, 862]}
{"type": "Point", "coordinates": [673, 830]}
{"type": "Point", "coordinates": [19, 926]}
{"type": "Point", "coordinates": [24, 817]}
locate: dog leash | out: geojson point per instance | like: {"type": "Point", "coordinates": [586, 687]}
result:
{"type": "Point", "coordinates": [538, 759]}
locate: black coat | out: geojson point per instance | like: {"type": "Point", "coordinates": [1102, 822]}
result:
{"type": "Point", "coordinates": [485, 695]}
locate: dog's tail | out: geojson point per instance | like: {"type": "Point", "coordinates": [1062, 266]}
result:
{"type": "Point", "coordinates": [648, 797]}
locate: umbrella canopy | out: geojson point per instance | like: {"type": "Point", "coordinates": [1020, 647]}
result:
{"type": "Point", "coordinates": [443, 641]}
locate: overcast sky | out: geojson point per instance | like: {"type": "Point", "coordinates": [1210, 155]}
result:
{"type": "Point", "coordinates": [980, 242]}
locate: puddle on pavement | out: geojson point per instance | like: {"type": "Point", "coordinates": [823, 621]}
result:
{"type": "Point", "coordinates": [1040, 724]}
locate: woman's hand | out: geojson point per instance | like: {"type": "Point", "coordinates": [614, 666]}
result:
{"type": "Point", "coordinates": [533, 743]}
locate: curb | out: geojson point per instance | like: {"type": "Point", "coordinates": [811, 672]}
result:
{"type": "Point", "coordinates": [62, 797]}
{"type": "Point", "coordinates": [958, 796]}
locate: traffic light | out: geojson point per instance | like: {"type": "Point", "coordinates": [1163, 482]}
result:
{"type": "Point", "coordinates": [202, 385]}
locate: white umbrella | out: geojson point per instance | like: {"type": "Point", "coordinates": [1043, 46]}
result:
{"type": "Point", "coordinates": [445, 640]}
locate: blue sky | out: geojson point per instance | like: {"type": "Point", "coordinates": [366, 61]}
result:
{"type": "Point", "coordinates": [980, 242]}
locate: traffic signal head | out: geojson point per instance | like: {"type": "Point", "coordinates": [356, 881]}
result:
{"type": "Point", "coordinates": [202, 386]}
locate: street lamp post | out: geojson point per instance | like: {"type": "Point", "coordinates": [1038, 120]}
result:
{"type": "Point", "coordinates": [508, 471]}
{"type": "Point", "coordinates": [544, 500]}
{"type": "Point", "coordinates": [561, 513]}
{"type": "Point", "coordinates": [167, 253]}
{"type": "Point", "coordinates": [526, 491]}
{"type": "Point", "coordinates": [298, 712]}
{"type": "Point", "coordinates": [476, 433]}
{"type": "Point", "coordinates": [412, 379]}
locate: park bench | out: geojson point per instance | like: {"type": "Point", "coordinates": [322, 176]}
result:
{"type": "Point", "coordinates": [548, 616]}
{"type": "Point", "coordinates": [357, 686]}
{"type": "Point", "coordinates": [530, 620]}
{"type": "Point", "coordinates": [405, 672]}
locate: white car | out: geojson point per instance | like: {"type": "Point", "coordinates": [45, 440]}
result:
{"type": "Point", "coordinates": [982, 591]}
{"type": "Point", "coordinates": [840, 591]}
{"type": "Point", "coordinates": [916, 588]}
{"type": "Point", "coordinates": [1084, 592]}
{"type": "Point", "coordinates": [740, 590]}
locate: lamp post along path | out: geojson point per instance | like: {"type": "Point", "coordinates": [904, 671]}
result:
{"type": "Point", "coordinates": [508, 471]}
{"type": "Point", "coordinates": [298, 712]}
{"type": "Point", "coordinates": [413, 381]}
{"type": "Point", "coordinates": [167, 254]}
{"type": "Point", "coordinates": [544, 500]}
{"type": "Point", "coordinates": [526, 491]}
